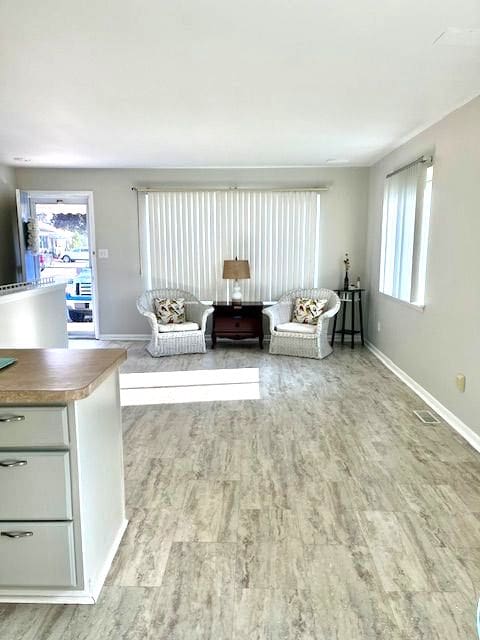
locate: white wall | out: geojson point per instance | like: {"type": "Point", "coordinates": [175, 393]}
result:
{"type": "Point", "coordinates": [34, 319]}
{"type": "Point", "coordinates": [343, 227]}
{"type": "Point", "coordinates": [433, 346]}
{"type": "Point", "coordinates": [7, 219]}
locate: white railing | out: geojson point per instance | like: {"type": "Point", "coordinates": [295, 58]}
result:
{"type": "Point", "coordinates": [22, 286]}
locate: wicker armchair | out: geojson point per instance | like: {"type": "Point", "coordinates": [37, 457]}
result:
{"type": "Point", "coordinates": [307, 341]}
{"type": "Point", "coordinates": [173, 343]}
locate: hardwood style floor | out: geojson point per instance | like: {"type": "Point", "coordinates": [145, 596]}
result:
{"type": "Point", "coordinates": [316, 507]}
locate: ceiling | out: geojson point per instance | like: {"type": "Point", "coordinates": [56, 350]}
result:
{"type": "Point", "coordinates": [217, 83]}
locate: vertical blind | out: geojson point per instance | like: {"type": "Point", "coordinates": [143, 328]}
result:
{"type": "Point", "coordinates": [406, 209]}
{"type": "Point", "coordinates": [186, 236]}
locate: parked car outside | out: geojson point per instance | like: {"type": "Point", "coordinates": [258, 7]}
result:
{"type": "Point", "coordinates": [79, 296]}
{"type": "Point", "coordinates": [71, 255]}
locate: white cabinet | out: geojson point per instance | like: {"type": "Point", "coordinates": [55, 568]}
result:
{"type": "Point", "coordinates": [37, 554]}
{"type": "Point", "coordinates": [35, 485]}
{"type": "Point", "coordinates": [33, 427]}
{"type": "Point", "coordinates": [62, 512]}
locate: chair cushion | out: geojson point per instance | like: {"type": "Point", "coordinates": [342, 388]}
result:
{"type": "Point", "coordinates": [308, 310]}
{"type": "Point", "coordinates": [169, 310]}
{"type": "Point", "coordinates": [296, 327]}
{"type": "Point", "coordinates": [183, 326]}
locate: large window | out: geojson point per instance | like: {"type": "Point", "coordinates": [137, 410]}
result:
{"type": "Point", "coordinates": [406, 215]}
{"type": "Point", "coordinates": [186, 236]}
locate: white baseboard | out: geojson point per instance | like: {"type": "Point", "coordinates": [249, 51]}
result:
{"type": "Point", "coordinates": [135, 337]}
{"type": "Point", "coordinates": [130, 337]}
{"type": "Point", "coordinates": [450, 418]}
{"type": "Point", "coordinates": [124, 337]}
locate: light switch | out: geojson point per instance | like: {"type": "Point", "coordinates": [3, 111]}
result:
{"type": "Point", "coordinates": [103, 254]}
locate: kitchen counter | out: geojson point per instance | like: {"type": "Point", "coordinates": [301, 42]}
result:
{"type": "Point", "coordinates": [55, 376]}
{"type": "Point", "coordinates": [62, 497]}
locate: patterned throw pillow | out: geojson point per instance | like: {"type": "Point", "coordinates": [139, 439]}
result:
{"type": "Point", "coordinates": [308, 310]}
{"type": "Point", "coordinates": [169, 310]}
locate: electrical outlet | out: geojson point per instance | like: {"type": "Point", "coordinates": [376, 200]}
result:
{"type": "Point", "coordinates": [379, 326]}
{"type": "Point", "coordinates": [460, 381]}
{"type": "Point", "coordinates": [103, 254]}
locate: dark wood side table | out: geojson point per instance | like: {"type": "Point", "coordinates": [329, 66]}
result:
{"type": "Point", "coordinates": [349, 296]}
{"type": "Point", "coordinates": [237, 321]}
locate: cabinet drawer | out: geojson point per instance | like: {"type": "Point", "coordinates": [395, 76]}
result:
{"type": "Point", "coordinates": [37, 554]}
{"type": "Point", "coordinates": [33, 427]}
{"type": "Point", "coordinates": [236, 325]}
{"type": "Point", "coordinates": [35, 485]}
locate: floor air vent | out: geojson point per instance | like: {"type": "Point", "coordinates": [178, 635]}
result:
{"type": "Point", "coordinates": [426, 416]}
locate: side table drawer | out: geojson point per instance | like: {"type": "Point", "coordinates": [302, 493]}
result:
{"type": "Point", "coordinates": [33, 427]}
{"type": "Point", "coordinates": [37, 554]}
{"type": "Point", "coordinates": [236, 325]}
{"type": "Point", "coordinates": [35, 485]}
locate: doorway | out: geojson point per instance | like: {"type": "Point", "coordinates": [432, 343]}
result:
{"type": "Point", "coordinates": [67, 252]}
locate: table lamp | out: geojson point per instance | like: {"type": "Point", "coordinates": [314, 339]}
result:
{"type": "Point", "coordinates": [236, 270]}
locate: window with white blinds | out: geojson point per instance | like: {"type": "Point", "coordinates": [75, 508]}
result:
{"type": "Point", "coordinates": [186, 236]}
{"type": "Point", "coordinates": [406, 214]}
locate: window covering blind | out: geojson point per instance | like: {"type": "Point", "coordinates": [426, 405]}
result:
{"type": "Point", "coordinates": [186, 236]}
{"type": "Point", "coordinates": [406, 209]}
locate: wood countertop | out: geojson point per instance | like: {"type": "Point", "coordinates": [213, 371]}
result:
{"type": "Point", "coordinates": [55, 376]}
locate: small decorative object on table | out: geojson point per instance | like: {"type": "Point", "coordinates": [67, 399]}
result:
{"type": "Point", "coordinates": [236, 270]}
{"type": "Point", "coordinates": [346, 262]}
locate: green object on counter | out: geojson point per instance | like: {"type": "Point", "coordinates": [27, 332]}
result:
{"type": "Point", "coordinates": [6, 362]}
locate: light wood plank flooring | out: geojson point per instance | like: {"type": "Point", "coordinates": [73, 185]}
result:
{"type": "Point", "coordinates": [322, 510]}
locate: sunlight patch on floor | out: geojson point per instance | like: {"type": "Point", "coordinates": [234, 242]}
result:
{"type": "Point", "coordinates": [177, 387]}
{"type": "Point", "coordinates": [188, 378]}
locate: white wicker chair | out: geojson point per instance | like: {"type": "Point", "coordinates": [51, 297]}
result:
{"type": "Point", "coordinates": [306, 345]}
{"type": "Point", "coordinates": [175, 342]}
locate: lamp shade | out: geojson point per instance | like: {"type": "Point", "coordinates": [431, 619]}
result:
{"type": "Point", "coordinates": [236, 270]}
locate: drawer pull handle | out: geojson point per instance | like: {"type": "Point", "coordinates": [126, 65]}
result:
{"type": "Point", "coordinates": [11, 418]}
{"type": "Point", "coordinates": [17, 534]}
{"type": "Point", "coordinates": [12, 463]}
